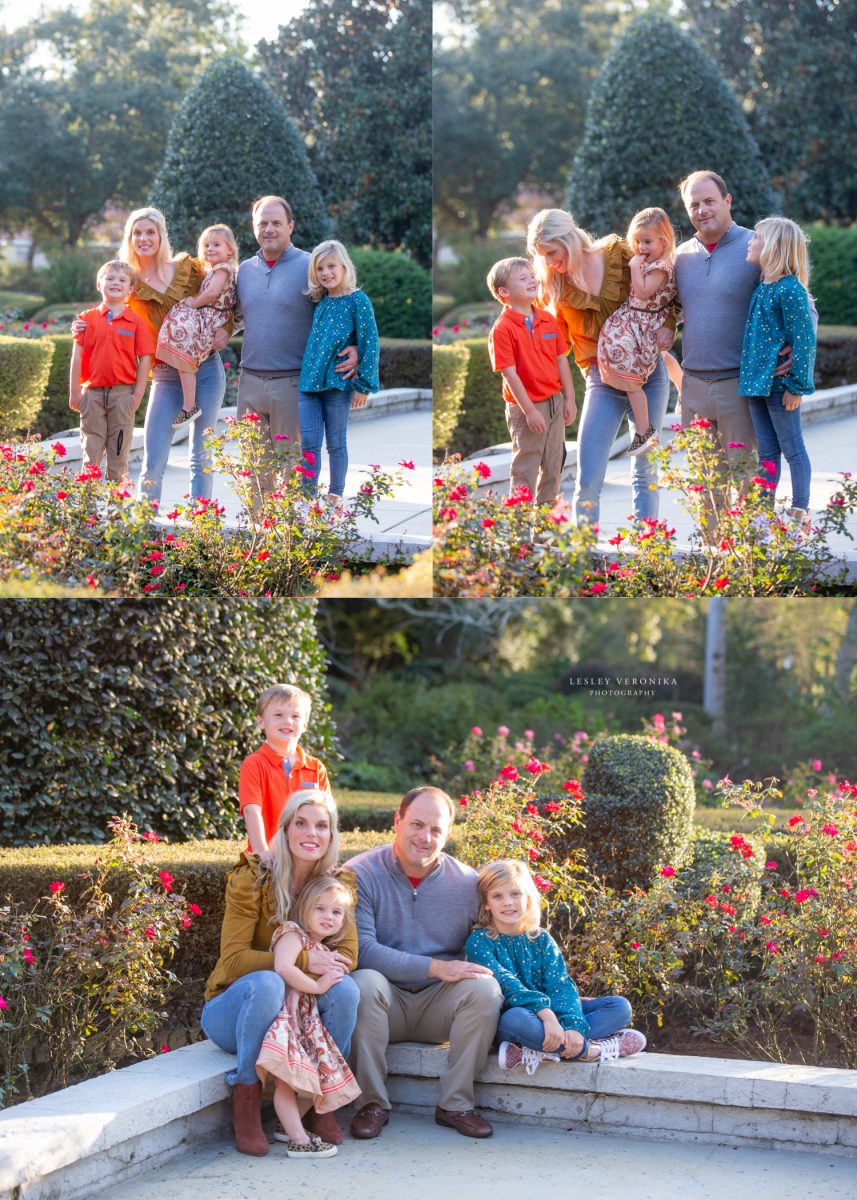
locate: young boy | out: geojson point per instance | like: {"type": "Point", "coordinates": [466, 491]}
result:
{"type": "Point", "coordinates": [109, 370]}
{"type": "Point", "coordinates": [528, 349]}
{"type": "Point", "coordinates": [279, 768]}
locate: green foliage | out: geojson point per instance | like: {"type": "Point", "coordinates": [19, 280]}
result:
{"type": "Point", "coordinates": [55, 414]}
{"type": "Point", "coordinates": [836, 356]}
{"type": "Point", "coordinates": [114, 707]}
{"type": "Point", "coordinates": [449, 373]}
{"type": "Point", "coordinates": [72, 275]}
{"type": "Point", "coordinates": [439, 306]}
{"type": "Point", "coordinates": [715, 862]}
{"type": "Point", "coordinates": [641, 138]}
{"type": "Point", "coordinates": [404, 363]}
{"type": "Point", "coordinates": [354, 79]}
{"type": "Point", "coordinates": [21, 304]}
{"type": "Point", "coordinates": [638, 813]}
{"type": "Point", "coordinates": [482, 419]}
{"type": "Point", "coordinates": [204, 179]}
{"type": "Point", "coordinates": [400, 291]}
{"type": "Point", "coordinates": [24, 369]}
{"type": "Point", "coordinates": [833, 281]}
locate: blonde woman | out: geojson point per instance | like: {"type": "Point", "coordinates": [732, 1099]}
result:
{"type": "Point", "coordinates": [543, 1015]}
{"type": "Point", "coordinates": [244, 993]}
{"type": "Point", "coordinates": [780, 316]}
{"type": "Point", "coordinates": [583, 281]}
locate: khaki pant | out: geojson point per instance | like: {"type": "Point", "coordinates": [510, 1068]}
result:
{"type": "Point", "coordinates": [537, 458]}
{"type": "Point", "coordinates": [275, 399]}
{"type": "Point", "coordinates": [718, 400]}
{"type": "Point", "coordinates": [465, 1014]}
{"type": "Point", "coordinates": [106, 427]}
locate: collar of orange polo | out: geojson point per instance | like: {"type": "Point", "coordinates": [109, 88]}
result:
{"type": "Point", "coordinates": [297, 758]}
{"type": "Point", "coordinates": [537, 315]}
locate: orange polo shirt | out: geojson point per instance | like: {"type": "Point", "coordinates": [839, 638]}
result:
{"type": "Point", "coordinates": [111, 346]}
{"type": "Point", "coordinates": [263, 781]}
{"type": "Point", "coordinates": [533, 353]}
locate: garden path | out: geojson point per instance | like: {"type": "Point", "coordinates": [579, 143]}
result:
{"type": "Point", "coordinates": [384, 439]}
{"type": "Point", "coordinates": [414, 1157]}
{"type": "Point", "coordinates": [831, 446]}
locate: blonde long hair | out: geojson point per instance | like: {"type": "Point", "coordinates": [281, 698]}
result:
{"type": "Point", "coordinates": [554, 225]}
{"type": "Point", "coordinates": [338, 251]}
{"type": "Point", "coordinates": [228, 237]}
{"type": "Point", "coordinates": [127, 252]}
{"type": "Point", "coordinates": [509, 870]}
{"type": "Point", "coordinates": [281, 871]}
{"type": "Point", "coordinates": [656, 219]}
{"type": "Point", "coordinates": [310, 892]}
{"type": "Point", "coordinates": [784, 250]}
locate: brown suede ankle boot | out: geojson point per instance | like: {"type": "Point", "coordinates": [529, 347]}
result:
{"type": "Point", "coordinates": [247, 1119]}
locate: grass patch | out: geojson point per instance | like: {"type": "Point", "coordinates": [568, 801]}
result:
{"type": "Point", "coordinates": [24, 302]}
{"type": "Point", "coordinates": [735, 820]}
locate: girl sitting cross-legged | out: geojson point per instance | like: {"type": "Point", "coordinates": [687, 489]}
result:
{"type": "Point", "coordinates": [543, 1015]}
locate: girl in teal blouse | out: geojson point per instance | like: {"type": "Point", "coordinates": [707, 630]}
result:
{"type": "Point", "coordinates": [543, 1015]}
{"type": "Point", "coordinates": [780, 316]}
{"type": "Point", "coordinates": [343, 317]}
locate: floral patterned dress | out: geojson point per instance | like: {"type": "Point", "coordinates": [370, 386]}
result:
{"type": "Point", "coordinates": [626, 345]}
{"type": "Point", "coordinates": [303, 1054]}
{"type": "Point", "coordinates": [187, 334]}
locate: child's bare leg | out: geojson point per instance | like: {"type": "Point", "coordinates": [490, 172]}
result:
{"type": "Point", "coordinates": [286, 1107]}
{"type": "Point", "coordinates": [640, 409]}
{"type": "Point", "coordinates": [673, 370]}
{"type": "Point", "coordinates": [188, 382]}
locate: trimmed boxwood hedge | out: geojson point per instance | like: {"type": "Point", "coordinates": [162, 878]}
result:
{"type": "Point", "coordinates": [638, 811]}
{"type": "Point", "coordinates": [449, 374]}
{"type": "Point", "coordinates": [24, 371]}
{"type": "Point", "coordinates": [833, 278]}
{"type": "Point", "coordinates": [400, 291]}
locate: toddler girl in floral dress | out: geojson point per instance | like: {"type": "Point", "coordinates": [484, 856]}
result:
{"type": "Point", "coordinates": [187, 334]}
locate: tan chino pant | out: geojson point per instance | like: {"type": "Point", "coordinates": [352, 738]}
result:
{"type": "Point", "coordinates": [275, 399]}
{"type": "Point", "coordinates": [537, 458]}
{"type": "Point", "coordinates": [465, 1014]}
{"type": "Point", "coordinates": [106, 427]}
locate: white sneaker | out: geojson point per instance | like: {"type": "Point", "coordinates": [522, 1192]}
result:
{"type": "Point", "coordinates": [512, 1055]}
{"type": "Point", "coordinates": [620, 1045]}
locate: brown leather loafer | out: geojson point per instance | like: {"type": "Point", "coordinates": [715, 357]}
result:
{"type": "Point", "coordinates": [369, 1121]}
{"type": "Point", "coordinates": [324, 1125]}
{"type": "Point", "coordinates": [468, 1122]}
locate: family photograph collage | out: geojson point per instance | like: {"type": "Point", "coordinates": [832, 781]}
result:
{"type": "Point", "coordinates": [428, 599]}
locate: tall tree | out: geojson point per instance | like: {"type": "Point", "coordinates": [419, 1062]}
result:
{"type": "Point", "coordinates": [355, 79]}
{"type": "Point", "coordinates": [793, 66]}
{"type": "Point", "coordinates": [659, 110]}
{"type": "Point", "coordinates": [205, 179]}
{"type": "Point", "coordinates": [86, 103]}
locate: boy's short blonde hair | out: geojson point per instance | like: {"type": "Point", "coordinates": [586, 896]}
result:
{"type": "Point", "coordinates": [287, 692]}
{"type": "Point", "coordinates": [116, 264]}
{"type": "Point", "coordinates": [498, 276]}
{"type": "Point", "coordinates": [509, 870]}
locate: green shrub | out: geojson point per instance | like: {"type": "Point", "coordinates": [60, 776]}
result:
{"type": "Point", "coordinates": [836, 356]}
{"type": "Point", "coordinates": [400, 291]}
{"type": "Point", "coordinates": [475, 260]}
{"type": "Point", "coordinates": [714, 861]}
{"type": "Point", "coordinates": [230, 142]}
{"type": "Point", "coordinates": [24, 369]}
{"type": "Point", "coordinates": [833, 280]}
{"type": "Point", "coordinates": [22, 304]}
{"type": "Point", "coordinates": [141, 708]}
{"type": "Point", "coordinates": [439, 305]}
{"type": "Point", "coordinates": [72, 275]}
{"type": "Point", "coordinates": [626, 163]}
{"type": "Point", "coordinates": [449, 373]}
{"type": "Point", "coordinates": [638, 808]}
{"type": "Point", "coordinates": [404, 363]}
{"type": "Point", "coordinates": [55, 414]}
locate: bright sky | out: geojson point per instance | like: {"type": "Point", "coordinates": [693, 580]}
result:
{"type": "Point", "coordinates": [262, 18]}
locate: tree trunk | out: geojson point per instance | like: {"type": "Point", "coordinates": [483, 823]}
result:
{"type": "Point", "coordinates": [714, 693]}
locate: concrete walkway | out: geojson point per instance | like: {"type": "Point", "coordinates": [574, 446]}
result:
{"type": "Point", "coordinates": [417, 1160]}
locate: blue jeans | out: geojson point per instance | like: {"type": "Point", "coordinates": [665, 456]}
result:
{"type": "Point", "coordinates": [603, 410]}
{"type": "Point", "coordinates": [238, 1019]}
{"type": "Point", "coordinates": [778, 433]}
{"type": "Point", "coordinates": [165, 401]}
{"type": "Point", "coordinates": [606, 1015]}
{"type": "Point", "coordinates": [324, 415]}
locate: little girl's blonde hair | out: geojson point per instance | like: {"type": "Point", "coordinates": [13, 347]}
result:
{"type": "Point", "coordinates": [556, 225]}
{"type": "Point", "coordinates": [509, 870]}
{"type": "Point", "coordinates": [656, 219]}
{"type": "Point", "coordinates": [311, 891]}
{"type": "Point", "coordinates": [227, 235]}
{"type": "Point", "coordinates": [784, 250]}
{"type": "Point", "coordinates": [316, 291]}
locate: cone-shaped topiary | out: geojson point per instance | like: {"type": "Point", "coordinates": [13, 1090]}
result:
{"type": "Point", "coordinates": [658, 110]}
{"type": "Point", "coordinates": [638, 811]}
{"type": "Point", "coordinates": [231, 142]}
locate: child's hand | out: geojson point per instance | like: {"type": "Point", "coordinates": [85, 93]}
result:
{"type": "Point", "coordinates": [292, 1001]}
{"type": "Point", "coordinates": [569, 411]}
{"type": "Point", "coordinates": [790, 402]}
{"type": "Point", "coordinates": [74, 403]}
{"type": "Point", "coordinates": [637, 260]}
{"type": "Point", "coordinates": [554, 1033]}
{"type": "Point", "coordinates": [359, 399]}
{"type": "Point", "coordinates": [326, 982]}
{"type": "Point", "coordinates": [536, 422]}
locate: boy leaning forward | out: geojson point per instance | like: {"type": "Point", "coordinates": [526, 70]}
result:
{"type": "Point", "coordinates": [529, 351]}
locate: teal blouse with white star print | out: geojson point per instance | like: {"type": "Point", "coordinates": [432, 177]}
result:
{"type": "Point", "coordinates": [531, 973]}
{"type": "Point", "coordinates": [338, 322]}
{"type": "Point", "coordinates": [779, 316]}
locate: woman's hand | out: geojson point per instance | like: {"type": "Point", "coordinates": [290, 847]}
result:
{"type": "Point", "coordinates": [321, 960]}
{"type": "Point", "coordinates": [790, 402]}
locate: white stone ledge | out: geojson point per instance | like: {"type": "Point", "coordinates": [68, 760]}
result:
{"type": "Point", "coordinates": [78, 1141]}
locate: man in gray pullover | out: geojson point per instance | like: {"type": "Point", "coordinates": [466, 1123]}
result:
{"type": "Point", "coordinates": [415, 909]}
{"type": "Point", "coordinates": [277, 312]}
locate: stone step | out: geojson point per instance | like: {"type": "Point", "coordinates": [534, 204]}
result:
{"type": "Point", "coordinates": [79, 1141]}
